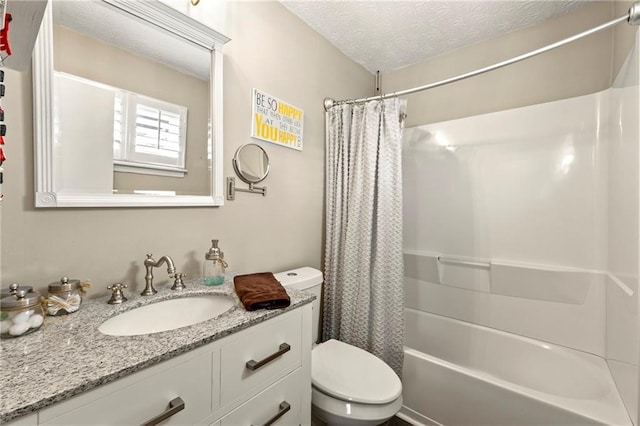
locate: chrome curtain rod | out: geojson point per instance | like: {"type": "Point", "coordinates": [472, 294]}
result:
{"type": "Point", "coordinates": [632, 17]}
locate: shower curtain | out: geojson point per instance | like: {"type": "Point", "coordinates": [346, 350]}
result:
{"type": "Point", "coordinates": [363, 294]}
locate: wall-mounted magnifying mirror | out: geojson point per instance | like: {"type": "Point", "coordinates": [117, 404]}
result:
{"type": "Point", "coordinates": [251, 164]}
{"type": "Point", "coordinates": [127, 98]}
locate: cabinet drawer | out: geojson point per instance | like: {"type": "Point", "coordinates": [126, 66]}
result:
{"type": "Point", "coordinates": [260, 344]}
{"type": "Point", "coordinates": [282, 399]}
{"type": "Point", "coordinates": [147, 398]}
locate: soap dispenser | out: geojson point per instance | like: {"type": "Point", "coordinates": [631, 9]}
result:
{"type": "Point", "coordinates": [214, 265]}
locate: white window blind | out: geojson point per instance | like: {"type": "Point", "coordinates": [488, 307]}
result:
{"type": "Point", "coordinates": [157, 132]}
{"type": "Point", "coordinates": [118, 127]}
{"type": "Point", "coordinates": [149, 133]}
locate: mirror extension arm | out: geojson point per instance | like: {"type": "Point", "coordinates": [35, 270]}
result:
{"type": "Point", "coordinates": [231, 189]}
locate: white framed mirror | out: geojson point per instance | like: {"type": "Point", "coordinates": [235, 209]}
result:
{"type": "Point", "coordinates": [139, 124]}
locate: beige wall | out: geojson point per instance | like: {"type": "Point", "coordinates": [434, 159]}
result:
{"type": "Point", "coordinates": [585, 66]}
{"type": "Point", "coordinates": [271, 50]}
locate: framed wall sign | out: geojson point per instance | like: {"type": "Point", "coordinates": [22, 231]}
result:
{"type": "Point", "coordinates": [276, 121]}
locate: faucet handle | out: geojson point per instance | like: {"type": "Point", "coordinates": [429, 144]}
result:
{"type": "Point", "coordinates": [116, 286]}
{"type": "Point", "coordinates": [177, 283]}
{"type": "Point", "coordinates": [149, 255]}
{"type": "Point", "coordinates": [117, 296]}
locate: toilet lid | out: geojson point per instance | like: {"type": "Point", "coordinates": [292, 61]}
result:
{"type": "Point", "coordinates": [352, 374]}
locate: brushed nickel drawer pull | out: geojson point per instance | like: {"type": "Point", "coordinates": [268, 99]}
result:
{"type": "Point", "coordinates": [254, 365]}
{"type": "Point", "coordinates": [176, 404]}
{"type": "Point", "coordinates": [282, 410]}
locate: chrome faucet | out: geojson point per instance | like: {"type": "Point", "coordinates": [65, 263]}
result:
{"type": "Point", "coordinates": [149, 264]}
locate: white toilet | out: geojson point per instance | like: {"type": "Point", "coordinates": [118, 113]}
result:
{"type": "Point", "coordinates": [350, 386]}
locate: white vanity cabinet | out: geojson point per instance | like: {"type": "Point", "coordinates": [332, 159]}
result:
{"type": "Point", "coordinates": [141, 396]}
{"type": "Point", "coordinates": [253, 376]}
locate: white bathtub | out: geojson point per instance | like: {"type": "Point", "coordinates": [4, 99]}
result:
{"type": "Point", "coordinates": [458, 373]}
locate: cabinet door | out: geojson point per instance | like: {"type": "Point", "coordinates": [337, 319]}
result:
{"type": "Point", "coordinates": [276, 348]}
{"type": "Point", "coordinates": [145, 399]}
{"type": "Point", "coordinates": [278, 404]}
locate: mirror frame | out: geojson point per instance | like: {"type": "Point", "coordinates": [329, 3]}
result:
{"type": "Point", "coordinates": [169, 19]}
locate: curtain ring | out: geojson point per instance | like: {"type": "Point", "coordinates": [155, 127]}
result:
{"type": "Point", "coordinates": [195, 2]}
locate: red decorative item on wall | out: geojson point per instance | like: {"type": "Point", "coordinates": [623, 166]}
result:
{"type": "Point", "coordinates": [4, 47]}
{"type": "Point", "coordinates": [4, 35]}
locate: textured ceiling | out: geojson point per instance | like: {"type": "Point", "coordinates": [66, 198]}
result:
{"type": "Point", "coordinates": [388, 35]}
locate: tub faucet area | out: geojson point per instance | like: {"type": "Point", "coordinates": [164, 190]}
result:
{"type": "Point", "coordinates": [149, 264]}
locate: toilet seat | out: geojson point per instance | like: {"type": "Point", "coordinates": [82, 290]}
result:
{"type": "Point", "coordinates": [352, 374]}
{"type": "Point", "coordinates": [334, 411]}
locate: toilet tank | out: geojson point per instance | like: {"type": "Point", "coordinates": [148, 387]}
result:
{"type": "Point", "coordinates": [309, 280]}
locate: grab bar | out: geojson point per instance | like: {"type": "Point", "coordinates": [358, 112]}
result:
{"type": "Point", "coordinates": [463, 261]}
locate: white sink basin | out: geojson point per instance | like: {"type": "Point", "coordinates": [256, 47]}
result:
{"type": "Point", "coordinates": [166, 315]}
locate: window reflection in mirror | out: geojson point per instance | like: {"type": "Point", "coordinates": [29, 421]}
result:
{"type": "Point", "coordinates": [148, 134]}
{"type": "Point", "coordinates": [153, 116]}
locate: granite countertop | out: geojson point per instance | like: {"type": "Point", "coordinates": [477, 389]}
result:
{"type": "Point", "coordinates": [68, 355]}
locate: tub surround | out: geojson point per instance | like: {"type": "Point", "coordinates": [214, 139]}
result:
{"type": "Point", "coordinates": [68, 355]}
{"type": "Point", "coordinates": [505, 172]}
{"type": "Point", "coordinates": [487, 250]}
{"type": "Point", "coordinates": [460, 373]}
